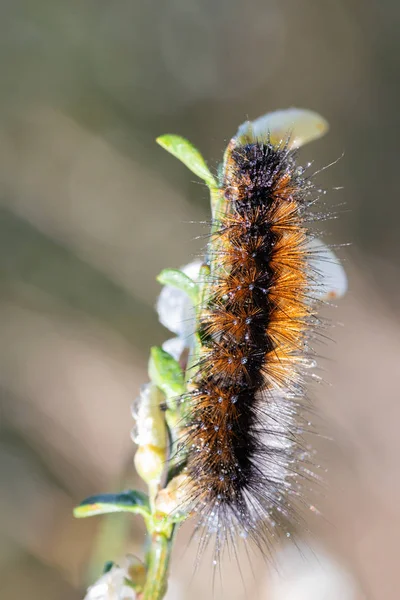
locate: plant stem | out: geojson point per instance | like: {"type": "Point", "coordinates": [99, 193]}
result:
{"type": "Point", "coordinates": [158, 564]}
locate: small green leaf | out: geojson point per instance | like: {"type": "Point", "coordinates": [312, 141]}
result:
{"type": "Point", "coordinates": [108, 566]}
{"type": "Point", "coordinates": [167, 374]}
{"type": "Point", "coordinates": [180, 281]}
{"type": "Point", "coordinates": [189, 155]}
{"type": "Point", "coordinates": [129, 501]}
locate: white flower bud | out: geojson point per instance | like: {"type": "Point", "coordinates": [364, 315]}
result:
{"type": "Point", "coordinates": [301, 124]}
{"type": "Point", "coordinates": [111, 586]}
{"type": "Point", "coordinates": [150, 433]}
{"type": "Point", "coordinates": [331, 273]}
{"type": "Point", "coordinates": [150, 462]}
{"type": "Point", "coordinates": [172, 498]}
{"type": "Point", "coordinates": [150, 428]}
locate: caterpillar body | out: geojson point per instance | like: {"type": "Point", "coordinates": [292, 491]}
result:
{"type": "Point", "coordinates": [244, 437]}
{"type": "Point", "coordinates": [247, 465]}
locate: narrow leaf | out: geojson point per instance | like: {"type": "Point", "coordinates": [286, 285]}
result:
{"type": "Point", "coordinates": [130, 501]}
{"type": "Point", "coordinates": [166, 373]}
{"type": "Point", "coordinates": [188, 154]}
{"type": "Point", "coordinates": [178, 279]}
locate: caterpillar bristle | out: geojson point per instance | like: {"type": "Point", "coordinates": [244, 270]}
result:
{"type": "Point", "coordinates": [247, 412]}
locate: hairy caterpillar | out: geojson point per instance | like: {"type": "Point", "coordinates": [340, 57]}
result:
{"type": "Point", "coordinates": [227, 403]}
{"type": "Point", "coordinates": [247, 461]}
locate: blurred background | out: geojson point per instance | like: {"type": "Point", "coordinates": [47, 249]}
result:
{"type": "Point", "coordinates": [92, 209]}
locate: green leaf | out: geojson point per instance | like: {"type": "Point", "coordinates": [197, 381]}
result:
{"type": "Point", "coordinates": [189, 155]}
{"type": "Point", "coordinates": [130, 501]}
{"type": "Point", "coordinates": [180, 281]}
{"type": "Point", "coordinates": [108, 566]}
{"type": "Point", "coordinates": [167, 374]}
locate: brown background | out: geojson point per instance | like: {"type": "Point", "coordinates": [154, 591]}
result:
{"type": "Point", "coordinates": [92, 209]}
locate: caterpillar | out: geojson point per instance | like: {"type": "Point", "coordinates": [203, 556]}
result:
{"type": "Point", "coordinates": [247, 412]}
